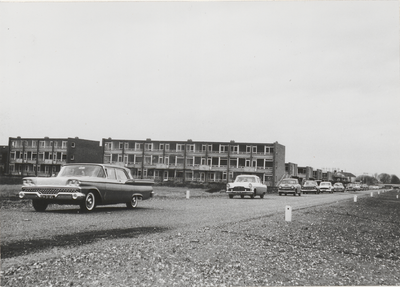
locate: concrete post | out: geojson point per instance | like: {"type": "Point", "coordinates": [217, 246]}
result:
{"type": "Point", "coordinates": [187, 194]}
{"type": "Point", "coordinates": [288, 213]}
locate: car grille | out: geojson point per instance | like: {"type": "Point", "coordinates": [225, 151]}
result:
{"type": "Point", "coordinates": [49, 190]}
{"type": "Point", "coordinates": [238, 188]}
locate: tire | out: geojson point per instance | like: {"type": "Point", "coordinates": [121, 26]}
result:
{"type": "Point", "coordinates": [285, 194]}
{"type": "Point", "coordinates": [299, 193]}
{"type": "Point", "coordinates": [90, 202]}
{"type": "Point", "coordinates": [134, 202]}
{"type": "Point", "coordinates": [262, 196]}
{"type": "Point", "coordinates": [252, 196]}
{"type": "Point", "coordinates": [280, 193]}
{"type": "Point", "coordinates": [39, 205]}
{"type": "Point", "coordinates": [230, 196]}
{"type": "Point", "coordinates": [242, 196]}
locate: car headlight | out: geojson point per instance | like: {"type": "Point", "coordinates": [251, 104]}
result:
{"type": "Point", "coordinates": [280, 187]}
{"type": "Point", "coordinates": [228, 186]}
{"type": "Point", "coordinates": [250, 185]}
{"type": "Point", "coordinates": [73, 182]}
{"type": "Point", "coordinates": [292, 187]}
{"type": "Point", "coordinates": [27, 182]}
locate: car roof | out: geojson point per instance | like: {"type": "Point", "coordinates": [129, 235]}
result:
{"type": "Point", "coordinates": [99, 164]}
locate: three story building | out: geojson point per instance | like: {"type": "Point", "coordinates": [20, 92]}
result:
{"type": "Point", "coordinates": [196, 161]}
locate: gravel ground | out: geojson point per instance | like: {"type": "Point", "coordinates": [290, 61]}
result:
{"type": "Point", "coordinates": [345, 243]}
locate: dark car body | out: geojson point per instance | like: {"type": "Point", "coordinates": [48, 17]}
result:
{"type": "Point", "coordinates": [289, 186]}
{"type": "Point", "coordinates": [338, 187]}
{"type": "Point", "coordinates": [310, 186]}
{"type": "Point", "coordinates": [86, 185]}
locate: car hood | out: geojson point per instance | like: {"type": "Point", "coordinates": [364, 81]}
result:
{"type": "Point", "coordinates": [245, 184]}
{"type": "Point", "coordinates": [57, 180]}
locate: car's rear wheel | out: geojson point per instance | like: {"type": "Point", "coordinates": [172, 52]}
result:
{"type": "Point", "coordinates": [252, 196]}
{"type": "Point", "coordinates": [242, 196]}
{"type": "Point", "coordinates": [90, 202]}
{"type": "Point", "coordinates": [280, 193]}
{"type": "Point", "coordinates": [262, 196]}
{"type": "Point", "coordinates": [39, 205]}
{"type": "Point", "coordinates": [230, 196]}
{"type": "Point", "coordinates": [134, 202]}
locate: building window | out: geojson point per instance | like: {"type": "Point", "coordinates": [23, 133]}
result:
{"type": "Point", "coordinates": [12, 155]}
{"type": "Point", "coordinates": [204, 147]}
{"type": "Point", "coordinates": [161, 147]}
{"type": "Point", "coordinates": [63, 144]}
{"type": "Point", "coordinates": [121, 145]}
{"type": "Point", "coordinates": [34, 144]}
{"type": "Point", "coordinates": [126, 145]}
{"type": "Point", "coordinates": [166, 159]}
{"type": "Point", "coordinates": [254, 149]}
{"type": "Point", "coordinates": [180, 147]}
{"type": "Point", "coordinates": [166, 146]}
{"type": "Point", "coordinates": [223, 148]}
{"type": "Point", "coordinates": [149, 146]}
{"type": "Point", "coordinates": [248, 149]}
{"type": "Point", "coordinates": [234, 148]}
{"type": "Point", "coordinates": [42, 144]}
{"type": "Point", "coordinates": [138, 146]}
{"type": "Point", "coordinates": [73, 144]}
{"type": "Point", "coordinates": [120, 158]}
{"type": "Point", "coordinates": [190, 147]}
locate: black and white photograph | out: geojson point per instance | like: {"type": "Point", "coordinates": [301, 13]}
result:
{"type": "Point", "coordinates": [200, 143]}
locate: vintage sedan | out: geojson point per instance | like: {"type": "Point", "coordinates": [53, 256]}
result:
{"type": "Point", "coordinates": [338, 186]}
{"type": "Point", "coordinates": [326, 186]}
{"type": "Point", "coordinates": [250, 185]}
{"type": "Point", "coordinates": [86, 185]}
{"type": "Point", "coordinates": [310, 186]}
{"type": "Point", "coordinates": [289, 185]}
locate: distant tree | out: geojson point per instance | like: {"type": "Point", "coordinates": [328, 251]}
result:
{"type": "Point", "coordinates": [384, 178]}
{"type": "Point", "coordinates": [367, 179]}
{"type": "Point", "coordinates": [395, 179]}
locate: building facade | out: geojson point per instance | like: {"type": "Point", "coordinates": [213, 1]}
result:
{"type": "Point", "coordinates": [3, 159]}
{"type": "Point", "coordinates": [196, 161]}
{"type": "Point", "coordinates": [45, 156]}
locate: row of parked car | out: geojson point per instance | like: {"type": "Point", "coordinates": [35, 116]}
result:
{"type": "Point", "coordinates": [251, 185]}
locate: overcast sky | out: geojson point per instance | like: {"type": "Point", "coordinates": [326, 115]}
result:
{"type": "Point", "coordinates": [321, 78]}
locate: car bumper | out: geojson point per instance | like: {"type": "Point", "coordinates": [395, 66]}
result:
{"type": "Point", "coordinates": [240, 192]}
{"type": "Point", "coordinates": [59, 196]}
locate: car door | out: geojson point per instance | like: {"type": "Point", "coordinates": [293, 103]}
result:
{"type": "Point", "coordinates": [113, 192]}
{"type": "Point", "coordinates": [125, 190]}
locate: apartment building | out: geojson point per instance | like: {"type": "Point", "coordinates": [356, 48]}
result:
{"type": "Point", "coordinates": [3, 159]}
{"type": "Point", "coordinates": [45, 156]}
{"type": "Point", "coordinates": [196, 161]}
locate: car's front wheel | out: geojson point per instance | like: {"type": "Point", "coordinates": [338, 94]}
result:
{"type": "Point", "coordinates": [262, 195]}
{"type": "Point", "coordinates": [39, 205]}
{"type": "Point", "coordinates": [90, 202]}
{"type": "Point", "coordinates": [133, 203]}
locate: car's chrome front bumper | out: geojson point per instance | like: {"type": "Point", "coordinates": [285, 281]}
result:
{"type": "Point", "coordinates": [58, 196]}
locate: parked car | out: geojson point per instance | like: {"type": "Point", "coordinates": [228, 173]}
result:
{"type": "Point", "coordinates": [250, 185]}
{"type": "Point", "coordinates": [310, 186]}
{"type": "Point", "coordinates": [326, 186]}
{"type": "Point", "coordinates": [289, 185]}
{"type": "Point", "coordinates": [350, 187]}
{"type": "Point", "coordinates": [86, 185]}
{"type": "Point", "coordinates": [338, 186]}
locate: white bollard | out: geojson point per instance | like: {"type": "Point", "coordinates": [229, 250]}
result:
{"type": "Point", "coordinates": [187, 194]}
{"type": "Point", "coordinates": [397, 196]}
{"type": "Point", "coordinates": [379, 192]}
{"type": "Point", "coordinates": [372, 194]}
{"type": "Point", "coordinates": [288, 213]}
{"type": "Point", "coordinates": [355, 198]}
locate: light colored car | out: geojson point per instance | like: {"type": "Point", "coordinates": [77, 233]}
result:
{"type": "Point", "coordinates": [310, 186]}
{"type": "Point", "coordinates": [338, 186]}
{"type": "Point", "coordinates": [289, 186]}
{"type": "Point", "coordinates": [249, 185]}
{"type": "Point", "coordinates": [86, 185]}
{"type": "Point", "coordinates": [326, 186]}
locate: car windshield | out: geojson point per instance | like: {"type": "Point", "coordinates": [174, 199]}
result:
{"type": "Point", "coordinates": [245, 179]}
{"type": "Point", "coordinates": [82, 170]}
{"type": "Point", "coordinates": [289, 181]}
{"type": "Point", "coordinates": [338, 184]}
{"type": "Point", "coordinates": [310, 183]}
{"type": "Point", "coordinates": [325, 183]}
